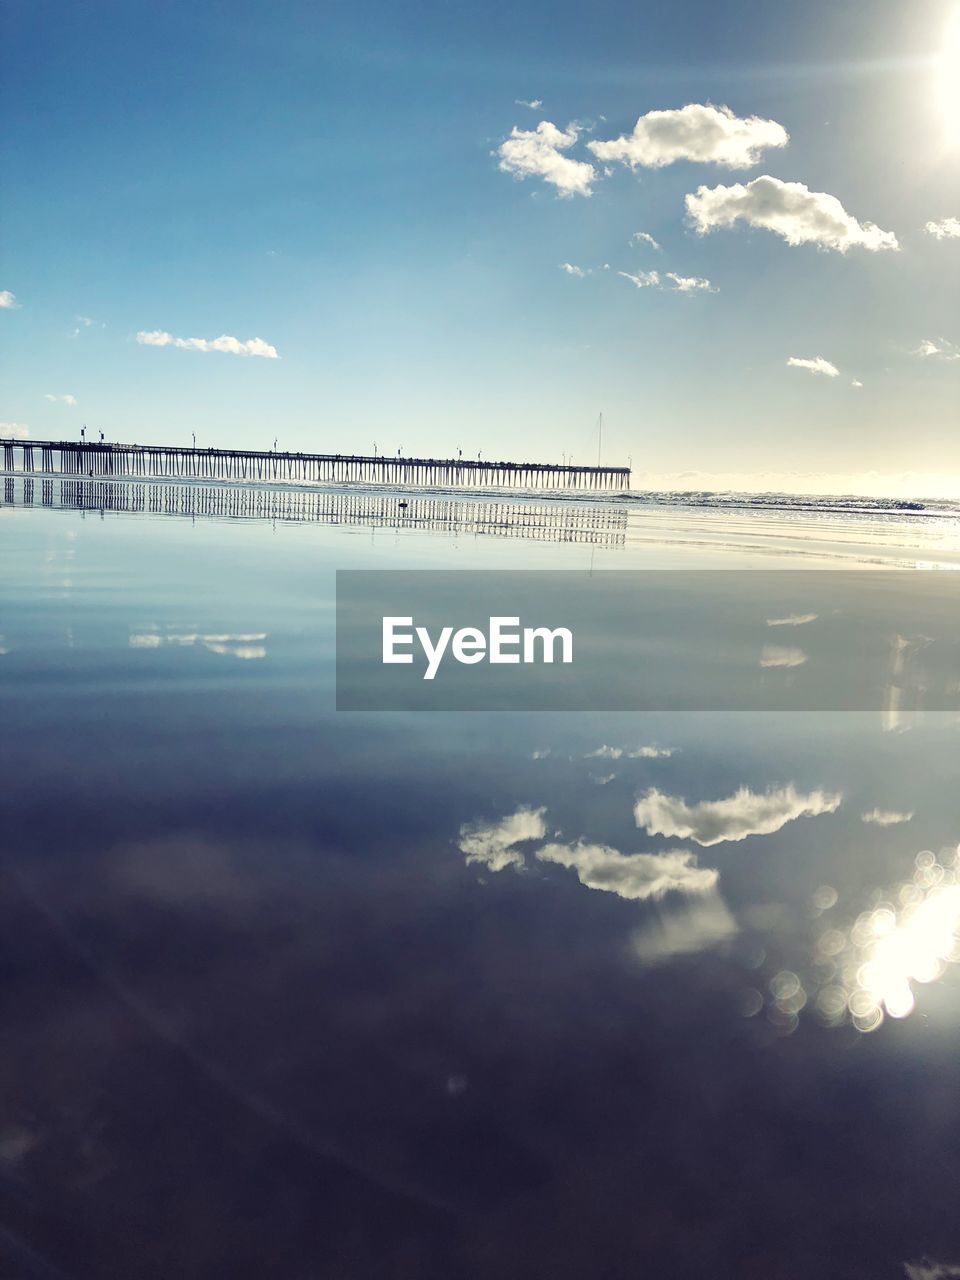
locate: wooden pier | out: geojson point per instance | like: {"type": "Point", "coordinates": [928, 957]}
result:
{"type": "Point", "coordinates": [133, 461]}
{"type": "Point", "coordinates": [470, 516]}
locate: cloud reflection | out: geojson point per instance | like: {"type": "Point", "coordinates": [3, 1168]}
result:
{"type": "Point", "coordinates": [688, 914]}
{"type": "Point", "coordinates": [242, 645]}
{"type": "Point", "coordinates": [926, 1269]}
{"type": "Point", "coordinates": [886, 817]}
{"type": "Point", "coordinates": [793, 620]}
{"type": "Point", "coordinates": [777, 655]}
{"type": "Point", "coordinates": [745, 813]}
{"type": "Point", "coordinates": [494, 843]}
{"type": "Point", "coordinates": [638, 876]}
{"type": "Point", "coordinates": [922, 671]}
{"type": "Point", "coordinates": [695, 923]}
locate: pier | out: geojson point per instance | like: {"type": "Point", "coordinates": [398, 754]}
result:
{"type": "Point", "coordinates": [473, 516]}
{"type": "Point", "coordinates": [134, 461]}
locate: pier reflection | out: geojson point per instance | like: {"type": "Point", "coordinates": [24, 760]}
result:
{"type": "Point", "coordinates": [550, 522]}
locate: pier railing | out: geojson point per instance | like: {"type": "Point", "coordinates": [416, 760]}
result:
{"type": "Point", "coordinates": [132, 461]}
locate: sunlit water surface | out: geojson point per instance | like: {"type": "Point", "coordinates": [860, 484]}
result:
{"type": "Point", "coordinates": [297, 994]}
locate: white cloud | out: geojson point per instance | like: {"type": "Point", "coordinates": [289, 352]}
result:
{"type": "Point", "coordinates": [66, 399]}
{"type": "Point", "coordinates": [644, 237]}
{"type": "Point", "coordinates": [789, 209]}
{"type": "Point", "coordinates": [855, 382]}
{"type": "Point", "coordinates": [690, 284]}
{"type": "Point", "coordinates": [14, 430]}
{"type": "Point", "coordinates": [702, 133]}
{"type": "Point", "coordinates": [776, 655]}
{"type": "Point", "coordinates": [632, 875]}
{"type": "Point", "coordinates": [233, 346]}
{"type": "Point", "coordinates": [678, 284]}
{"type": "Point", "coordinates": [941, 349]}
{"type": "Point", "coordinates": [538, 153]}
{"type": "Point", "coordinates": [945, 229]}
{"type": "Point", "coordinates": [886, 817]}
{"type": "Point", "coordinates": [816, 365]}
{"type": "Point", "coordinates": [745, 813]}
{"type": "Point", "coordinates": [494, 843]}
{"type": "Point", "coordinates": [8, 301]}
{"type": "Point", "coordinates": [793, 620]}
{"type": "Point", "coordinates": [85, 322]}
{"type": "Point", "coordinates": [534, 104]}
{"type": "Point", "coordinates": [626, 753]}
{"type": "Point", "coordinates": [572, 270]}
{"type": "Point", "coordinates": [643, 279]}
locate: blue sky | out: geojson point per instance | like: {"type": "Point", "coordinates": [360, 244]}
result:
{"type": "Point", "coordinates": [328, 179]}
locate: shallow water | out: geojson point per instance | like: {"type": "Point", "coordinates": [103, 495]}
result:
{"type": "Point", "coordinates": [287, 992]}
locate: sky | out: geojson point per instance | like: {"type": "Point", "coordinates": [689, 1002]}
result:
{"type": "Point", "coordinates": [733, 229]}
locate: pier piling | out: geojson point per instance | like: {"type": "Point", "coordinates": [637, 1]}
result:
{"type": "Point", "coordinates": [135, 461]}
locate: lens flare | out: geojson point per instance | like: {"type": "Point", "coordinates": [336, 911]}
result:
{"type": "Point", "coordinates": [893, 946]}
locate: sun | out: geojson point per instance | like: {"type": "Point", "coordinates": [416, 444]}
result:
{"type": "Point", "coordinates": [948, 79]}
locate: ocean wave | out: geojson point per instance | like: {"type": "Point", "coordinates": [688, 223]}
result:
{"type": "Point", "coordinates": [850, 504]}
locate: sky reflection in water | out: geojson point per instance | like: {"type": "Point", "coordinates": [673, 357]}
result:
{"type": "Point", "coordinates": [298, 994]}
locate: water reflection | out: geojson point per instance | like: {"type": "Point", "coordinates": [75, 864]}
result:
{"type": "Point", "coordinates": [683, 927]}
{"type": "Point", "coordinates": [637, 876]}
{"type": "Point", "coordinates": [858, 973]}
{"type": "Point", "coordinates": [495, 844]}
{"type": "Point", "coordinates": [886, 817]}
{"type": "Point", "coordinates": [926, 1269]}
{"type": "Point", "coordinates": [778, 655]}
{"type": "Point", "coordinates": [918, 665]}
{"type": "Point", "coordinates": [630, 753]}
{"type": "Point", "coordinates": [244, 645]}
{"type": "Point", "coordinates": [552, 522]}
{"type": "Point", "coordinates": [793, 620]}
{"type": "Point", "coordinates": [745, 813]}
{"type": "Point", "coordinates": [906, 938]}
{"type": "Point", "coordinates": [292, 993]}
{"type": "Point", "coordinates": [688, 915]}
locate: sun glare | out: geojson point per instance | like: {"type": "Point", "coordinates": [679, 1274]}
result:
{"type": "Point", "coordinates": [907, 939]}
{"type": "Point", "coordinates": [948, 79]}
